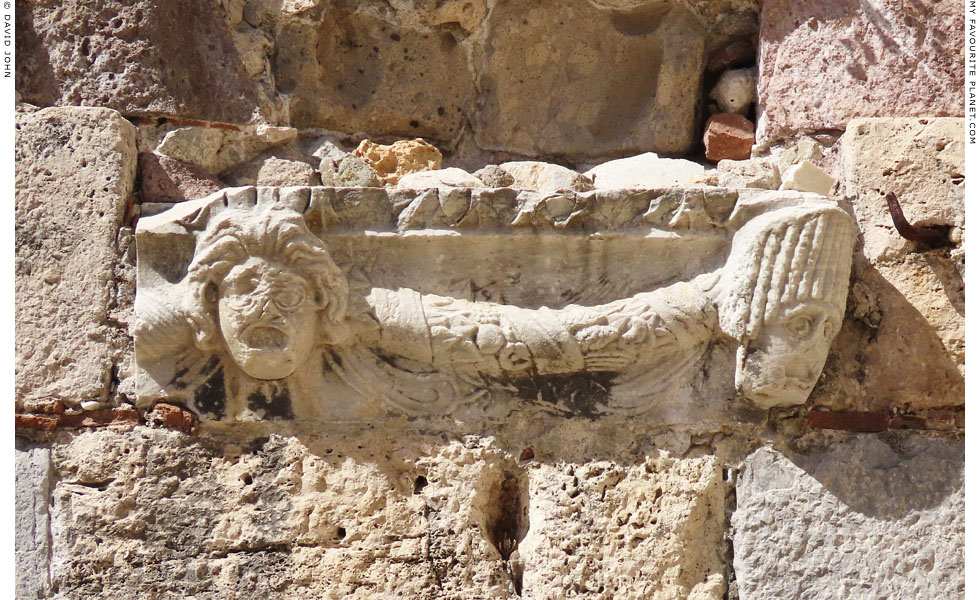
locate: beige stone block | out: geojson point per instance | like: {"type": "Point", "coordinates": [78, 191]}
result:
{"type": "Point", "coordinates": [607, 530]}
{"type": "Point", "coordinates": [357, 70]}
{"type": "Point", "coordinates": [441, 178]}
{"type": "Point", "coordinates": [75, 169]}
{"type": "Point", "coordinates": [904, 344]}
{"type": "Point", "coordinates": [545, 177]}
{"type": "Point", "coordinates": [625, 84]}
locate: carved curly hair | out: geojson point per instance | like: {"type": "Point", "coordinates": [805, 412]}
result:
{"type": "Point", "coordinates": [276, 235]}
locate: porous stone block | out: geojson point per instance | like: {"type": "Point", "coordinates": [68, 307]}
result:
{"type": "Point", "coordinates": [867, 517]}
{"type": "Point", "coordinates": [366, 512]}
{"type": "Point", "coordinates": [393, 162]}
{"type": "Point", "coordinates": [75, 170]}
{"type": "Point", "coordinates": [824, 62]}
{"type": "Point", "coordinates": [904, 344]}
{"type": "Point", "coordinates": [920, 160]}
{"type": "Point", "coordinates": [275, 169]}
{"type": "Point", "coordinates": [606, 530]}
{"type": "Point", "coordinates": [165, 179]}
{"type": "Point", "coordinates": [626, 84]}
{"type": "Point", "coordinates": [32, 488]}
{"type": "Point", "coordinates": [357, 70]}
{"type": "Point", "coordinates": [728, 136]}
{"type": "Point", "coordinates": [176, 58]}
{"type": "Point", "coordinates": [355, 172]}
{"type": "Point", "coordinates": [644, 171]}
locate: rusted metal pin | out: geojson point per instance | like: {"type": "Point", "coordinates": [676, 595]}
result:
{"type": "Point", "coordinates": [933, 236]}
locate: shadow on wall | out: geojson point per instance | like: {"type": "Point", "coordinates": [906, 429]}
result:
{"type": "Point", "coordinates": [888, 476]}
{"type": "Point", "coordinates": [887, 354]}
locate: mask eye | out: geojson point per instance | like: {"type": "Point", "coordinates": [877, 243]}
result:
{"type": "Point", "coordinates": [800, 326]}
{"type": "Point", "coordinates": [290, 297]}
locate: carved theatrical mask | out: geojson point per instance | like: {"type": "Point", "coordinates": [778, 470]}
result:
{"type": "Point", "coordinates": [268, 318]}
{"type": "Point", "coordinates": [783, 300]}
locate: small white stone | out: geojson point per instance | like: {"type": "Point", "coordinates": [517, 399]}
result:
{"type": "Point", "coordinates": [807, 177]}
{"type": "Point", "coordinates": [644, 171]}
{"type": "Point", "coordinates": [91, 405]}
{"type": "Point", "coordinates": [735, 91]}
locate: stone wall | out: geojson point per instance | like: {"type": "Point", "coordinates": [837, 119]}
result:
{"type": "Point", "coordinates": [511, 197]}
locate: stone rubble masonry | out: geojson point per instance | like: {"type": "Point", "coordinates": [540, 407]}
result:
{"type": "Point", "coordinates": [903, 342]}
{"type": "Point", "coordinates": [867, 517]}
{"type": "Point", "coordinates": [459, 73]}
{"type": "Point", "coordinates": [360, 512]}
{"type": "Point", "coordinates": [75, 169]}
{"type": "Point", "coordinates": [877, 58]}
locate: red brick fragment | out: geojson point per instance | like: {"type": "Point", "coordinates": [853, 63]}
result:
{"type": "Point", "coordinates": [527, 453]}
{"type": "Point", "coordinates": [174, 417]}
{"type": "Point", "coordinates": [35, 422]}
{"type": "Point", "coordinates": [728, 136]}
{"type": "Point", "coordinates": [228, 126]}
{"type": "Point", "coordinates": [849, 421]}
{"type": "Point", "coordinates": [101, 418]}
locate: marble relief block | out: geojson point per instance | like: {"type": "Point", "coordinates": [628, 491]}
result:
{"type": "Point", "coordinates": [677, 305]}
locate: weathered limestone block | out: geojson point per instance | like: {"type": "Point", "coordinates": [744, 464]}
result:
{"type": "Point", "coordinates": [75, 169]}
{"type": "Point", "coordinates": [364, 512]}
{"type": "Point", "coordinates": [546, 177]}
{"type": "Point", "coordinates": [273, 168]}
{"type": "Point", "coordinates": [176, 58]}
{"type": "Point", "coordinates": [399, 159]}
{"type": "Point", "coordinates": [905, 344]}
{"type": "Point", "coordinates": [605, 530]}
{"type": "Point", "coordinates": [762, 174]}
{"type": "Point", "coordinates": [627, 82]}
{"type": "Point", "coordinates": [867, 518]}
{"type": "Point", "coordinates": [355, 172]}
{"type": "Point", "coordinates": [219, 149]}
{"type": "Point", "coordinates": [165, 179]}
{"type": "Point", "coordinates": [824, 62]}
{"type": "Point", "coordinates": [321, 303]}
{"type": "Point", "coordinates": [32, 489]}
{"type": "Point", "coordinates": [353, 70]}
{"type": "Point", "coordinates": [644, 171]}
